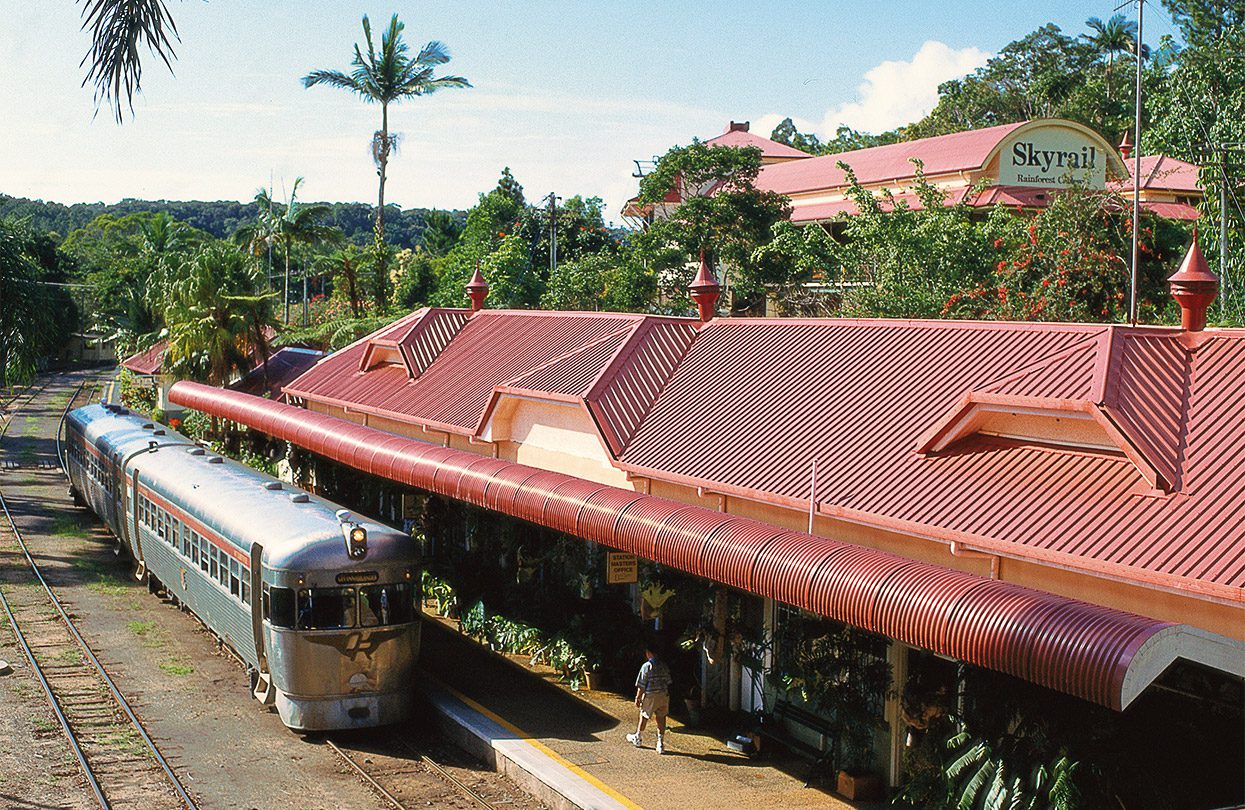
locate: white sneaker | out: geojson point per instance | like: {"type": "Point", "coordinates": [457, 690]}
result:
{"type": "Point", "coordinates": [635, 740]}
{"type": "Point", "coordinates": [661, 744]}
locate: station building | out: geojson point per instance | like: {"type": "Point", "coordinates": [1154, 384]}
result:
{"type": "Point", "coordinates": [1016, 165]}
{"type": "Point", "coordinates": [1058, 502]}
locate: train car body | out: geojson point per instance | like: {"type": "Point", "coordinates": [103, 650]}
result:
{"type": "Point", "coordinates": [319, 604]}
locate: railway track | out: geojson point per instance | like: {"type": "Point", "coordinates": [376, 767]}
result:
{"type": "Point", "coordinates": [122, 765]}
{"type": "Point", "coordinates": [405, 776]}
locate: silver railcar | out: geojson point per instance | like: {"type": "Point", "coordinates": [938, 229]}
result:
{"type": "Point", "coordinates": [320, 605]}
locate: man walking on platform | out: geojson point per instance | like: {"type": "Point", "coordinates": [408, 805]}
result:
{"type": "Point", "coordinates": [652, 696]}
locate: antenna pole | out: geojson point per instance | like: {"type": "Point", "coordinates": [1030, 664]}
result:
{"type": "Point", "coordinates": [812, 499]}
{"type": "Point", "coordinates": [1132, 294]}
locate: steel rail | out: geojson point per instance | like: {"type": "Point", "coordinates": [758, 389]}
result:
{"type": "Point", "coordinates": [377, 787]}
{"type": "Point", "coordinates": [436, 769]}
{"type": "Point", "coordinates": [78, 753]}
{"type": "Point", "coordinates": [86, 648]}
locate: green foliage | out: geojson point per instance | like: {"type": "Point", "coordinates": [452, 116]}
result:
{"type": "Point", "coordinates": [614, 281]}
{"type": "Point", "coordinates": [37, 317]}
{"type": "Point", "coordinates": [1200, 101]}
{"type": "Point", "coordinates": [845, 139]}
{"type": "Point", "coordinates": [441, 232]}
{"type": "Point", "coordinates": [404, 227]}
{"type": "Point", "coordinates": [217, 315]}
{"type": "Point", "coordinates": [722, 215]}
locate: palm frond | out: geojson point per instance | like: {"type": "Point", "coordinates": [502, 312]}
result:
{"type": "Point", "coordinates": [331, 78]}
{"type": "Point", "coordinates": [433, 53]}
{"type": "Point", "coordinates": [119, 30]}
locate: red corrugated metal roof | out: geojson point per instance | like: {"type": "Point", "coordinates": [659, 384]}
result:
{"type": "Point", "coordinates": [1095, 653]}
{"type": "Point", "coordinates": [755, 402]}
{"type": "Point", "coordinates": [961, 151]}
{"type": "Point", "coordinates": [284, 365]}
{"type": "Point", "coordinates": [149, 360]}
{"type": "Point", "coordinates": [769, 149]}
{"type": "Point", "coordinates": [746, 406]}
{"type": "Point", "coordinates": [1162, 173]}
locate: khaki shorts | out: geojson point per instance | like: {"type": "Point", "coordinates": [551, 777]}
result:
{"type": "Point", "coordinates": [655, 705]}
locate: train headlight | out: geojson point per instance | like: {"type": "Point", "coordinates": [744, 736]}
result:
{"type": "Point", "coordinates": [356, 542]}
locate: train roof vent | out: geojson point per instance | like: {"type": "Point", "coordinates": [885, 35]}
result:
{"type": "Point", "coordinates": [273, 486]}
{"type": "Point", "coordinates": [148, 426]}
{"type": "Point", "coordinates": [216, 460]}
{"type": "Point", "coordinates": [196, 451]}
{"type": "Point", "coordinates": [299, 497]}
{"type": "Point", "coordinates": [158, 433]}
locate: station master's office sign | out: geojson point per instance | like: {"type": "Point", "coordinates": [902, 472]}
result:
{"type": "Point", "coordinates": [1053, 157]}
{"type": "Point", "coordinates": [621, 568]}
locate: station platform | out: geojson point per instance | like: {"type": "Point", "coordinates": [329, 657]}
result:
{"type": "Point", "coordinates": [570, 750]}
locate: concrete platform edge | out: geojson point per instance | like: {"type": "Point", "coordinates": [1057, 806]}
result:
{"type": "Point", "coordinates": [510, 752]}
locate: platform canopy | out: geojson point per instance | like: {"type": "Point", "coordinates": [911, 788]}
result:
{"type": "Point", "coordinates": [1102, 655]}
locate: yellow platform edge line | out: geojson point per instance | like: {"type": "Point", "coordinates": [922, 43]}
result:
{"type": "Point", "coordinates": [537, 744]}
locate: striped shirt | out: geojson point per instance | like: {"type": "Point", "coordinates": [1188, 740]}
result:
{"type": "Point", "coordinates": [654, 677]}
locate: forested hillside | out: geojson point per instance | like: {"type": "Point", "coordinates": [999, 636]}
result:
{"type": "Point", "coordinates": [220, 218]}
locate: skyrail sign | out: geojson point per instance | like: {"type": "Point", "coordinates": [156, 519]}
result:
{"type": "Point", "coordinates": [1053, 157]}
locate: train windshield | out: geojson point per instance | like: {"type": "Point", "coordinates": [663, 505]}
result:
{"type": "Point", "coordinates": [385, 604]}
{"type": "Point", "coordinates": [336, 608]}
{"type": "Point", "coordinates": [326, 608]}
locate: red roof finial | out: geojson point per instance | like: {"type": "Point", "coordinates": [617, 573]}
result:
{"type": "Point", "coordinates": [705, 290]}
{"type": "Point", "coordinates": [477, 290]}
{"type": "Point", "coordinates": [1126, 147]}
{"type": "Point", "coordinates": [1194, 287]}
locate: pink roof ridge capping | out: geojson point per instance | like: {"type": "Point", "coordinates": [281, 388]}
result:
{"type": "Point", "coordinates": [477, 290]}
{"type": "Point", "coordinates": [1194, 287]}
{"type": "Point", "coordinates": [705, 290]}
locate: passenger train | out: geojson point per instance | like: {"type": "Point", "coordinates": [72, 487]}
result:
{"type": "Point", "coordinates": [321, 605]}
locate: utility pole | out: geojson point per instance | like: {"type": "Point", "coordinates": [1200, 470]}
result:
{"type": "Point", "coordinates": [552, 199]}
{"type": "Point", "coordinates": [1132, 293]}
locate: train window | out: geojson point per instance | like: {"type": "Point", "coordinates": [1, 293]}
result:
{"type": "Point", "coordinates": [203, 554]}
{"type": "Point", "coordinates": [280, 611]}
{"type": "Point", "coordinates": [385, 604]}
{"type": "Point", "coordinates": [194, 548]}
{"type": "Point", "coordinates": [326, 609]}
{"type": "Point", "coordinates": [246, 585]}
{"type": "Point", "coordinates": [235, 581]}
{"type": "Point", "coordinates": [213, 565]}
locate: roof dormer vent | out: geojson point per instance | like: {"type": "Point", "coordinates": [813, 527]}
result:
{"type": "Point", "coordinates": [737, 126]}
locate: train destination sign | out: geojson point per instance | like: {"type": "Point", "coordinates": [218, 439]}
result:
{"type": "Point", "coordinates": [357, 577]}
{"type": "Point", "coordinates": [621, 568]}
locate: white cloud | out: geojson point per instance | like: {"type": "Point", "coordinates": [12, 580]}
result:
{"type": "Point", "coordinates": [894, 92]}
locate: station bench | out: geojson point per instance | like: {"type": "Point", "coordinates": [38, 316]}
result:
{"type": "Point", "coordinates": [772, 728]}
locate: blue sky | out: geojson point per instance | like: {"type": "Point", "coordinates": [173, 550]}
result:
{"type": "Point", "coordinates": [566, 93]}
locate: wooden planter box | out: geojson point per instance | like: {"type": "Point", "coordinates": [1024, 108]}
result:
{"type": "Point", "coordinates": [859, 785]}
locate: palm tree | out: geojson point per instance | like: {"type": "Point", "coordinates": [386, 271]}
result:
{"type": "Point", "coordinates": [120, 31]}
{"type": "Point", "coordinates": [346, 263]}
{"type": "Point", "coordinates": [218, 315]}
{"type": "Point", "coordinates": [383, 78]}
{"type": "Point", "coordinates": [1116, 35]}
{"type": "Point", "coordinates": [285, 226]}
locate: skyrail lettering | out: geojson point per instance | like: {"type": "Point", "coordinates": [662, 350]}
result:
{"type": "Point", "coordinates": [1027, 154]}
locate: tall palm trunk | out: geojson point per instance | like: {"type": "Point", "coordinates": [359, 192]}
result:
{"type": "Point", "coordinates": [287, 283]}
{"type": "Point", "coordinates": [382, 272]}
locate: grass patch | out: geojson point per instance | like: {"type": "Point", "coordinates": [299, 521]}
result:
{"type": "Point", "coordinates": [44, 725]}
{"type": "Point", "coordinates": [67, 526]}
{"type": "Point", "coordinates": [69, 655]}
{"type": "Point", "coordinates": [126, 740]}
{"type": "Point", "coordinates": [175, 667]}
{"type": "Point", "coordinates": [103, 581]}
{"type": "Point", "coordinates": [147, 633]}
